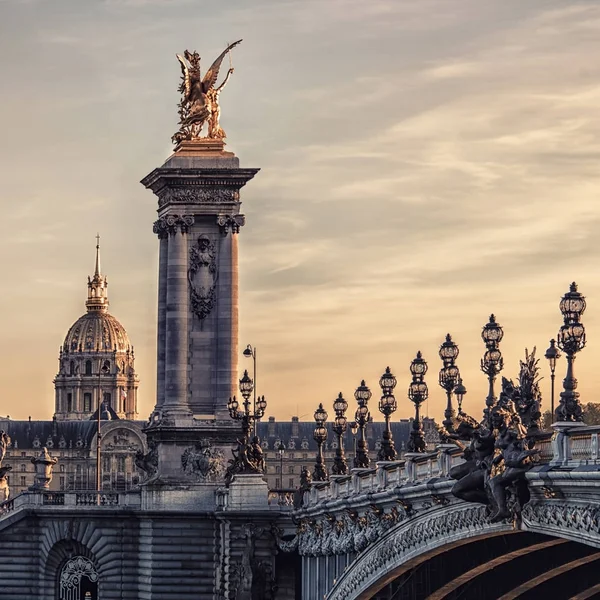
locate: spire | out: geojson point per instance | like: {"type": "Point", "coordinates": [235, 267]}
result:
{"type": "Point", "coordinates": [97, 271]}
{"type": "Point", "coordinates": [97, 286]}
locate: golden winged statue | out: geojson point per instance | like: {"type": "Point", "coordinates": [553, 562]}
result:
{"type": "Point", "coordinates": [200, 98]}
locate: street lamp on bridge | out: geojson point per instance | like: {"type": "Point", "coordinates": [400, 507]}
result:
{"type": "Point", "coordinates": [552, 355]}
{"type": "Point", "coordinates": [571, 339]}
{"type": "Point", "coordinates": [362, 395]}
{"type": "Point", "coordinates": [448, 378]}
{"type": "Point", "coordinates": [340, 424]}
{"type": "Point", "coordinates": [492, 362]}
{"type": "Point", "coordinates": [387, 406]}
{"type": "Point", "coordinates": [320, 436]}
{"type": "Point", "coordinates": [417, 394]}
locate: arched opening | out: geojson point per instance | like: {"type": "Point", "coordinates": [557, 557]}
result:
{"type": "Point", "coordinates": [77, 580]}
{"type": "Point", "coordinates": [505, 566]}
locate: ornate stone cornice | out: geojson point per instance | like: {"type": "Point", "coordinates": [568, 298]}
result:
{"type": "Point", "coordinates": [170, 224]}
{"type": "Point", "coordinates": [230, 223]}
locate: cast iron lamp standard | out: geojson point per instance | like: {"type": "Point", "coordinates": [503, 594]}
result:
{"type": "Point", "coordinates": [492, 362]}
{"type": "Point", "coordinates": [250, 352]}
{"type": "Point", "coordinates": [417, 394]}
{"type": "Point", "coordinates": [387, 406]}
{"type": "Point", "coordinates": [459, 391]}
{"type": "Point", "coordinates": [248, 458]}
{"type": "Point", "coordinates": [320, 436]}
{"type": "Point", "coordinates": [340, 466]}
{"type": "Point", "coordinates": [448, 378]}
{"type": "Point", "coordinates": [571, 339]}
{"type": "Point", "coordinates": [552, 355]}
{"type": "Point", "coordinates": [362, 395]}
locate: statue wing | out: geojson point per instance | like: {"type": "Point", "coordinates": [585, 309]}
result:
{"type": "Point", "coordinates": [186, 75]}
{"type": "Point", "coordinates": [210, 78]}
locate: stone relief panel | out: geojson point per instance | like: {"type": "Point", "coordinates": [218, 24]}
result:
{"type": "Point", "coordinates": [202, 277]}
{"type": "Point", "coordinates": [204, 462]}
{"type": "Point", "coordinates": [195, 195]}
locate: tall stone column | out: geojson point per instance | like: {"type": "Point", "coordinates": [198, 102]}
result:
{"type": "Point", "coordinates": [198, 191]}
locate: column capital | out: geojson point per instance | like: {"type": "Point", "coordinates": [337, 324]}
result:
{"type": "Point", "coordinates": [170, 224]}
{"type": "Point", "coordinates": [230, 222]}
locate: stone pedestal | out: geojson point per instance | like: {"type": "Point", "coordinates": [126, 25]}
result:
{"type": "Point", "coordinates": [198, 190]}
{"type": "Point", "coordinates": [248, 492]}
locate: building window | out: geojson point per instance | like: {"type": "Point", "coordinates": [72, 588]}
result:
{"type": "Point", "coordinates": [72, 368]}
{"type": "Point", "coordinates": [23, 469]}
{"type": "Point", "coordinates": [23, 481]}
{"type": "Point", "coordinates": [88, 367]}
{"type": "Point", "coordinates": [291, 482]}
{"type": "Point", "coordinates": [277, 469]}
{"type": "Point", "coordinates": [23, 454]}
{"type": "Point", "coordinates": [106, 463]}
{"type": "Point", "coordinates": [107, 399]}
{"type": "Point", "coordinates": [87, 402]}
{"type": "Point", "coordinates": [290, 469]}
{"type": "Point", "coordinates": [277, 482]}
{"type": "Point", "coordinates": [69, 402]}
{"type": "Point", "coordinates": [62, 483]}
{"type": "Point", "coordinates": [121, 464]}
{"type": "Point", "coordinates": [305, 455]}
{"type": "Point", "coordinates": [62, 468]}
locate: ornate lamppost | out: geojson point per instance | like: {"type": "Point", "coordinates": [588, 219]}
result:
{"type": "Point", "coordinates": [362, 395]}
{"type": "Point", "coordinates": [417, 394]}
{"type": "Point", "coordinates": [552, 355]}
{"type": "Point", "coordinates": [492, 362]}
{"type": "Point", "coordinates": [340, 424]}
{"type": "Point", "coordinates": [448, 378]}
{"type": "Point", "coordinates": [387, 406]}
{"type": "Point", "coordinates": [249, 456]}
{"type": "Point", "coordinates": [320, 436]}
{"type": "Point", "coordinates": [571, 339]}
{"type": "Point", "coordinates": [250, 352]}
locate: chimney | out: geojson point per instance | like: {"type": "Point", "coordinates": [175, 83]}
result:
{"type": "Point", "coordinates": [295, 427]}
{"type": "Point", "coordinates": [271, 427]}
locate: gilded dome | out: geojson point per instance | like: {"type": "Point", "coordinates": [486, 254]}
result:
{"type": "Point", "coordinates": [97, 331]}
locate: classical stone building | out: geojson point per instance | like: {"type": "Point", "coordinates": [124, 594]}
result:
{"type": "Point", "coordinates": [96, 361]}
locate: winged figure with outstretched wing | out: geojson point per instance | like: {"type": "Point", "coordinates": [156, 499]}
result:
{"type": "Point", "coordinates": [200, 98]}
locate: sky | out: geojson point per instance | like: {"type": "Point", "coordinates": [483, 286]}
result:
{"type": "Point", "coordinates": [423, 164]}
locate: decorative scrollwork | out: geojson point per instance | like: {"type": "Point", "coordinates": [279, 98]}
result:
{"type": "Point", "coordinates": [170, 224]}
{"type": "Point", "coordinates": [230, 223]}
{"type": "Point", "coordinates": [202, 277]}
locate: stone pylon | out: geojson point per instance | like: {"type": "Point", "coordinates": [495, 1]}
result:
{"type": "Point", "coordinates": [199, 219]}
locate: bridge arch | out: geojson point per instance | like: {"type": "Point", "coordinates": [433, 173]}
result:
{"type": "Point", "coordinates": [460, 528]}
